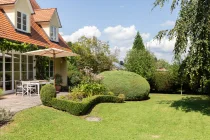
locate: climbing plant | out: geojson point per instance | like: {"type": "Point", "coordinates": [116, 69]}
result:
{"type": "Point", "coordinates": [8, 45]}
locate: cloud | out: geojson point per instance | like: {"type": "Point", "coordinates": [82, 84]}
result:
{"type": "Point", "coordinates": [145, 36]}
{"type": "Point", "coordinates": [120, 33]}
{"type": "Point", "coordinates": [88, 31]}
{"type": "Point", "coordinates": [168, 23]}
{"type": "Point", "coordinates": [162, 49]}
{"type": "Point", "coordinates": [122, 38]}
{"type": "Point", "coordinates": [122, 6]}
{"type": "Point", "coordinates": [165, 45]}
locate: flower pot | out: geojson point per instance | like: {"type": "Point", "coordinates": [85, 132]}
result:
{"type": "Point", "coordinates": [58, 88]}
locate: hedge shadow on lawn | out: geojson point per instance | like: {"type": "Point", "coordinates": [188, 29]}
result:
{"type": "Point", "coordinates": [190, 104]}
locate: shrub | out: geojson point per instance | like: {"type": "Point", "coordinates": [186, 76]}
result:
{"type": "Point", "coordinates": [74, 77]}
{"type": "Point", "coordinates": [82, 108]}
{"type": "Point", "coordinates": [47, 93]}
{"type": "Point", "coordinates": [121, 96]}
{"type": "Point", "coordinates": [132, 85]}
{"type": "Point", "coordinates": [86, 90]}
{"type": "Point", "coordinates": [162, 82]}
{"type": "Point", "coordinates": [5, 116]}
{"type": "Point", "coordinates": [207, 87]}
{"type": "Point", "coordinates": [1, 92]}
{"type": "Point", "coordinates": [58, 80]}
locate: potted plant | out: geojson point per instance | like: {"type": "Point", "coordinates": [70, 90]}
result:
{"type": "Point", "coordinates": [58, 82]}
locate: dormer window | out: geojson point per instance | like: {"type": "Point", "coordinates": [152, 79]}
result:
{"type": "Point", "coordinates": [53, 34]}
{"type": "Point", "coordinates": [21, 21]}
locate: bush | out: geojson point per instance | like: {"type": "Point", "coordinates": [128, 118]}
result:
{"type": "Point", "coordinates": [86, 90]}
{"type": "Point", "coordinates": [1, 92]}
{"type": "Point", "coordinates": [207, 87]}
{"type": "Point", "coordinates": [74, 77]}
{"type": "Point", "coordinates": [47, 93]}
{"type": "Point", "coordinates": [162, 82]}
{"type": "Point", "coordinates": [5, 116]}
{"type": "Point", "coordinates": [82, 108]}
{"type": "Point", "coordinates": [132, 85]}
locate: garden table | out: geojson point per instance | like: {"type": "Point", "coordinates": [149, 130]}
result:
{"type": "Point", "coordinates": [38, 83]}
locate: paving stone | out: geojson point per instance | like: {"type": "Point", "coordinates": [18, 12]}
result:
{"type": "Point", "coordinates": [16, 103]}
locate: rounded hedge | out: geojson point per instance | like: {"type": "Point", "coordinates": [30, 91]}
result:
{"type": "Point", "coordinates": [48, 92]}
{"type": "Point", "coordinates": [132, 85]}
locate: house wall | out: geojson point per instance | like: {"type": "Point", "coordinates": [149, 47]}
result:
{"type": "Point", "coordinates": [46, 28]}
{"type": "Point", "coordinates": [10, 12]}
{"type": "Point", "coordinates": [22, 6]}
{"type": "Point", "coordinates": [61, 68]}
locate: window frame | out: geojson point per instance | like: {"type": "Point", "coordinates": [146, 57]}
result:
{"type": "Point", "coordinates": [53, 33]}
{"type": "Point", "coordinates": [22, 22]}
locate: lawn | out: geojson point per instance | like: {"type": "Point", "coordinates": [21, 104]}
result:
{"type": "Point", "coordinates": [164, 117]}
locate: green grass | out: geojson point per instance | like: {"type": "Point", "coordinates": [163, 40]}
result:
{"type": "Point", "coordinates": [163, 117]}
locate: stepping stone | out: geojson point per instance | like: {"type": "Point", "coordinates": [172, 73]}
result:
{"type": "Point", "coordinates": [93, 119]}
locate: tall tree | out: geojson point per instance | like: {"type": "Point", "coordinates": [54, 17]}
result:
{"type": "Point", "coordinates": [93, 53]}
{"type": "Point", "coordinates": [138, 42]}
{"type": "Point", "coordinates": [192, 30]}
{"type": "Point", "coordinates": [140, 62]}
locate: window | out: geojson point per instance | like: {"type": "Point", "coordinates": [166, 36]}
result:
{"type": "Point", "coordinates": [21, 21]}
{"type": "Point", "coordinates": [53, 33]}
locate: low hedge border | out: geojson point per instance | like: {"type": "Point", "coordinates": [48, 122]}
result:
{"type": "Point", "coordinates": [82, 108]}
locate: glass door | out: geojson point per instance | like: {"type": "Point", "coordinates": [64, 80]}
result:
{"type": "Point", "coordinates": [8, 72]}
{"type": "Point", "coordinates": [1, 70]}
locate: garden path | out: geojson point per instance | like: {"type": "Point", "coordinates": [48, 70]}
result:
{"type": "Point", "coordinates": [16, 103]}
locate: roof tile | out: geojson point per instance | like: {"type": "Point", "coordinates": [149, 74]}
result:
{"type": "Point", "coordinates": [36, 37]}
{"type": "Point", "coordinates": [2, 2]}
{"type": "Point", "coordinates": [42, 15]}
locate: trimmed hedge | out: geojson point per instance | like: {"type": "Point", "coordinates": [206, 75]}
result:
{"type": "Point", "coordinates": [48, 92]}
{"type": "Point", "coordinates": [132, 85]}
{"type": "Point", "coordinates": [82, 108]}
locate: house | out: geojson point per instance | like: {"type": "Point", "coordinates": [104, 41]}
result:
{"type": "Point", "coordinates": [26, 22]}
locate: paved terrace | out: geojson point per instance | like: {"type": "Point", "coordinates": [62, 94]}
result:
{"type": "Point", "coordinates": [16, 103]}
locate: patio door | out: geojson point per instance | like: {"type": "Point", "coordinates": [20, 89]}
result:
{"type": "Point", "coordinates": [15, 66]}
{"type": "Point", "coordinates": [8, 74]}
{"type": "Point", "coordinates": [1, 71]}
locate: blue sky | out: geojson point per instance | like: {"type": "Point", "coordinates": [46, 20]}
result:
{"type": "Point", "coordinates": [115, 21]}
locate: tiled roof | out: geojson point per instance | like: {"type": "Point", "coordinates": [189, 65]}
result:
{"type": "Point", "coordinates": [7, 1]}
{"type": "Point", "coordinates": [36, 37]}
{"type": "Point", "coordinates": [35, 5]}
{"type": "Point", "coordinates": [42, 15]}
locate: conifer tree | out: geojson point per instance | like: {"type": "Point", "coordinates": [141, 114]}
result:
{"type": "Point", "coordinates": [138, 42]}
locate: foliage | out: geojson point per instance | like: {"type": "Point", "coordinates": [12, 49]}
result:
{"type": "Point", "coordinates": [138, 43]}
{"type": "Point", "coordinates": [161, 63]}
{"type": "Point", "coordinates": [42, 67]}
{"type": "Point", "coordinates": [93, 53]}
{"type": "Point", "coordinates": [140, 62]}
{"type": "Point", "coordinates": [162, 82]}
{"type": "Point", "coordinates": [58, 79]}
{"type": "Point", "coordinates": [132, 85]}
{"type": "Point", "coordinates": [121, 96]}
{"type": "Point", "coordinates": [85, 90]}
{"type": "Point", "coordinates": [192, 30]}
{"type": "Point", "coordinates": [8, 45]}
{"type": "Point", "coordinates": [5, 116]}
{"type": "Point", "coordinates": [207, 87]}
{"type": "Point", "coordinates": [47, 93]}
{"type": "Point", "coordinates": [75, 76]}
{"type": "Point", "coordinates": [1, 92]}
{"type": "Point", "coordinates": [82, 108]}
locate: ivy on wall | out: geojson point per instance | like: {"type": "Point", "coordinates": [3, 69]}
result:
{"type": "Point", "coordinates": [7, 45]}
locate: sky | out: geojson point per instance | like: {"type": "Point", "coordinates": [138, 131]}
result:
{"type": "Point", "coordinates": [116, 21]}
